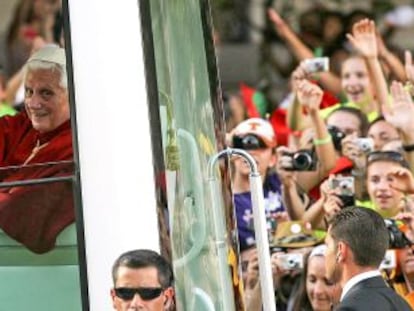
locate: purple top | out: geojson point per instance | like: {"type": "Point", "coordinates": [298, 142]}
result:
{"type": "Point", "coordinates": [244, 213]}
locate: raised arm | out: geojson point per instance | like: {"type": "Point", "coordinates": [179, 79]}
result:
{"type": "Point", "coordinates": [291, 199]}
{"type": "Point", "coordinates": [310, 96]}
{"type": "Point", "coordinates": [401, 115]}
{"type": "Point", "coordinates": [395, 64]}
{"type": "Point", "coordinates": [295, 118]}
{"type": "Point", "coordinates": [408, 66]}
{"type": "Point", "coordinates": [363, 39]}
{"type": "Point", "coordinates": [329, 80]}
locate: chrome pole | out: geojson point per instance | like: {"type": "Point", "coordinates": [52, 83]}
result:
{"type": "Point", "coordinates": [260, 227]}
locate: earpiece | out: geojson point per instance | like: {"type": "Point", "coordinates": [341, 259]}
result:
{"type": "Point", "coordinates": [338, 256]}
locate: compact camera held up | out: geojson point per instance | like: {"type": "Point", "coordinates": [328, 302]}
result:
{"type": "Point", "coordinates": [346, 186]}
{"type": "Point", "coordinates": [390, 260]}
{"type": "Point", "coordinates": [337, 136]}
{"type": "Point", "coordinates": [293, 261]}
{"type": "Point", "coordinates": [397, 238]}
{"type": "Point", "coordinates": [317, 64]}
{"type": "Point", "coordinates": [302, 160]}
{"type": "Point", "coordinates": [365, 144]}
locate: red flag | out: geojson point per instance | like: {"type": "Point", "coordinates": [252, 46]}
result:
{"type": "Point", "coordinates": [247, 94]}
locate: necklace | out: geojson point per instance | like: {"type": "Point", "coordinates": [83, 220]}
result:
{"type": "Point", "coordinates": [35, 150]}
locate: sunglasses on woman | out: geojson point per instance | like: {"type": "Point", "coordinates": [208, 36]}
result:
{"type": "Point", "coordinates": [146, 293]}
{"type": "Point", "coordinates": [387, 156]}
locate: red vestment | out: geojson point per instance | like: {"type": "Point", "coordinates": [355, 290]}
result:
{"type": "Point", "coordinates": [34, 215]}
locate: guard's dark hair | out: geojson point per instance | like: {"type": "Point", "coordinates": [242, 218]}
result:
{"type": "Point", "coordinates": [364, 231]}
{"type": "Point", "coordinates": [143, 258]}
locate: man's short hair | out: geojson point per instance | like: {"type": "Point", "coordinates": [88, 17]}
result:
{"type": "Point", "coordinates": [364, 231]}
{"type": "Point", "coordinates": [50, 57]}
{"type": "Point", "coordinates": [144, 258]}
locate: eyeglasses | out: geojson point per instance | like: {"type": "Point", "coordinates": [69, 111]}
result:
{"type": "Point", "coordinates": [387, 156]}
{"type": "Point", "coordinates": [248, 142]}
{"type": "Point", "coordinates": [146, 293]}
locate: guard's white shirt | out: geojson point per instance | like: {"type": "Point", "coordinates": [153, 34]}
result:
{"type": "Point", "coordinates": [358, 278]}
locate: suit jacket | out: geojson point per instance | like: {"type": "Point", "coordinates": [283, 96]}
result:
{"type": "Point", "coordinates": [372, 294]}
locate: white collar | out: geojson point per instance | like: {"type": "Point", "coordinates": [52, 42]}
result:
{"type": "Point", "coordinates": [358, 278]}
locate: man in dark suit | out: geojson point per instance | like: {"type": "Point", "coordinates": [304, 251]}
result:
{"type": "Point", "coordinates": [357, 240]}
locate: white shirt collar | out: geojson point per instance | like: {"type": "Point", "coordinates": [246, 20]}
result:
{"type": "Point", "coordinates": [358, 278]}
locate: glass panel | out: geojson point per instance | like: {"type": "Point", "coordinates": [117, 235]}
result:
{"type": "Point", "coordinates": [190, 121]}
{"type": "Point", "coordinates": [38, 240]}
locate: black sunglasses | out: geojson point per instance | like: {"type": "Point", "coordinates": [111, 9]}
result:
{"type": "Point", "coordinates": [248, 142]}
{"type": "Point", "coordinates": [386, 156]}
{"type": "Point", "coordinates": [146, 293]}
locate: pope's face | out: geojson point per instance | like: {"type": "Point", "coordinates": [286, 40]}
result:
{"type": "Point", "coordinates": [46, 102]}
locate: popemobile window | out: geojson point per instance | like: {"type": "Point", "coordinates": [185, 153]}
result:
{"type": "Point", "coordinates": [38, 241]}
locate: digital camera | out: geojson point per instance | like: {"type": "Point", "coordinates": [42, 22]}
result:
{"type": "Point", "coordinates": [390, 260]}
{"type": "Point", "coordinates": [365, 144]}
{"type": "Point", "coordinates": [293, 261]}
{"type": "Point", "coordinates": [302, 160]}
{"type": "Point", "coordinates": [337, 136]}
{"type": "Point", "coordinates": [346, 187]}
{"type": "Point", "coordinates": [397, 238]}
{"type": "Point", "coordinates": [275, 249]}
{"type": "Point", "coordinates": [317, 64]}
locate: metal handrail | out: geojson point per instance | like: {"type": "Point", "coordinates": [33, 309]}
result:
{"type": "Point", "coordinates": [260, 227]}
{"type": "Point", "coordinates": [37, 181]}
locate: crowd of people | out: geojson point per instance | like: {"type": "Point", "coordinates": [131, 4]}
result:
{"type": "Point", "coordinates": [33, 25]}
{"type": "Point", "coordinates": [337, 176]}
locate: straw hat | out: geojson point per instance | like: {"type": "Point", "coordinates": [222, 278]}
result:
{"type": "Point", "coordinates": [296, 234]}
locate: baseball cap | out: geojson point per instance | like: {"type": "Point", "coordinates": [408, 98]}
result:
{"type": "Point", "coordinates": [257, 127]}
{"type": "Point", "coordinates": [50, 53]}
